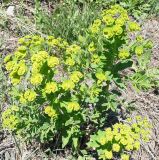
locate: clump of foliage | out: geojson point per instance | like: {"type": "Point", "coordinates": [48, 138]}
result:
{"type": "Point", "coordinates": [144, 76]}
{"type": "Point", "coordinates": [62, 90]}
{"type": "Point", "coordinates": [121, 138]}
{"type": "Point", "coordinates": [140, 8]}
{"type": "Point", "coordinates": [68, 19]}
{"type": "Point", "coordinates": [72, 17]}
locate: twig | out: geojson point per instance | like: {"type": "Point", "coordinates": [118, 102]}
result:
{"type": "Point", "coordinates": [6, 149]}
{"type": "Point", "coordinates": [32, 153]}
{"type": "Point", "coordinates": [148, 151]}
{"type": "Point", "coordinates": [5, 146]}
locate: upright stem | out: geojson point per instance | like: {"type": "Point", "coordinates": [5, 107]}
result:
{"type": "Point", "coordinates": [107, 87]}
{"type": "Point", "coordinates": [16, 143]}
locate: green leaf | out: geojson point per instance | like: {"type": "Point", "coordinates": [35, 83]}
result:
{"type": "Point", "coordinates": [45, 126]}
{"type": "Point", "coordinates": [82, 39]}
{"type": "Point", "coordinates": [81, 158]}
{"type": "Point", "coordinates": [65, 140]}
{"type": "Point", "coordinates": [118, 81]}
{"type": "Point", "coordinates": [92, 144]}
{"type": "Point", "coordinates": [75, 142]}
{"type": "Point", "coordinates": [122, 65]}
{"type": "Point", "coordinates": [140, 81]}
{"type": "Point", "coordinates": [70, 121]}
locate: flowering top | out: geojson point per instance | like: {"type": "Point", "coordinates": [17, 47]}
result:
{"type": "Point", "coordinates": [50, 112]}
{"type": "Point", "coordinates": [121, 137]}
{"type": "Point", "coordinates": [52, 61]}
{"type": "Point", "coordinates": [10, 121]}
{"type": "Point", "coordinates": [72, 106]}
{"type": "Point", "coordinates": [51, 87]}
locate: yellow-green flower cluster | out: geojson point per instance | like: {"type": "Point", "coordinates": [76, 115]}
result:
{"type": "Point", "coordinates": [53, 61]}
{"type": "Point", "coordinates": [29, 95]}
{"type": "Point", "coordinates": [70, 62]}
{"type": "Point", "coordinates": [36, 79]}
{"type": "Point", "coordinates": [133, 26]}
{"type": "Point", "coordinates": [95, 27]}
{"type": "Point", "coordinates": [39, 57]}
{"type": "Point", "coordinates": [52, 41]}
{"type": "Point", "coordinates": [72, 106]}
{"type": "Point", "coordinates": [123, 54]}
{"type": "Point", "coordinates": [22, 49]}
{"type": "Point", "coordinates": [36, 41]}
{"type": "Point", "coordinates": [107, 155]}
{"type": "Point", "coordinates": [51, 87]}
{"type": "Point", "coordinates": [116, 147]}
{"type": "Point", "coordinates": [68, 85]}
{"type": "Point", "coordinates": [108, 19]}
{"type": "Point", "coordinates": [16, 69]}
{"type": "Point", "coordinates": [31, 41]}
{"type": "Point", "coordinates": [101, 77]}
{"type": "Point", "coordinates": [7, 58]}
{"type": "Point", "coordinates": [9, 65]}
{"type": "Point", "coordinates": [115, 18]}
{"type": "Point", "coordinates": [94, 91]}
{"type": "Point", "coordinates": [139, 38]}
{"type": "Point", "coordinates": [26, 40]}
{"type": "Point", "coordinates": [114, 27]}
{"type": "Point", "coordinates": [149, 45]}
{"type": "Point", "coordinates": [91, 47]}
{"type": "Point", "coordinates": [22, 100]}
{"type": "Point", "coordinates": [57, 42]}
{"type": "Point", "coordinates": [21, 52]}
{"type": "Point", "coordinates": [21, 69]}
{"type": "Point", "coordinates": [73, 49]}
{"type": "Point", "coordinates": [36, 67]}
{"type": "Point", "coordinates": [95, 59]}
{"type": "Point", "coordinates": [76, 76]}
{"type": "Point", "coordinates": [108, 32]}
{"type": "Point", "coordinates": [9, 120]}
{"type": "Point", "coordinates": [50, 112]}
{"type": "Point", "coordinates": [139, 50]}
{"type": "Point", "coordinates": [19, 55]}
{"type": "Point", "coordinates": [125, 156]}
{"type": "Point", "coordinates": [117, 30]}
{"type": "Point", "coordinates": [113, 22]}
{"type": "Point", "coordinates": [122, 137]}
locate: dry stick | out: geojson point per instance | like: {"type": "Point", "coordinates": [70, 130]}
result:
{"type": "Point", "coordinates": [151, 154]}
{"type": "Point", "coordinates": [7, 149]}
{"type": "Point", "coordinates": [6, 146]}
{"type": "Point", "coordinates": [32, 154]}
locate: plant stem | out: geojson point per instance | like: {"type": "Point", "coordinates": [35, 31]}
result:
{"type": "Point", "coordinates": [107, 87]}
{"type": "Point", "coordinates": [16, 143]}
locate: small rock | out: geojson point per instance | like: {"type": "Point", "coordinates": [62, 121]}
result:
{"type": "Point", "coordinates": [10, 10]}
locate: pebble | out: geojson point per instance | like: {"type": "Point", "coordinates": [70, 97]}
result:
{"type": "Point", "coordinates": [10, 10]}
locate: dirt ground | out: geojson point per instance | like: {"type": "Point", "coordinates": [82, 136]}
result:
{"type": "Point", "coordinates": [148, 102]}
